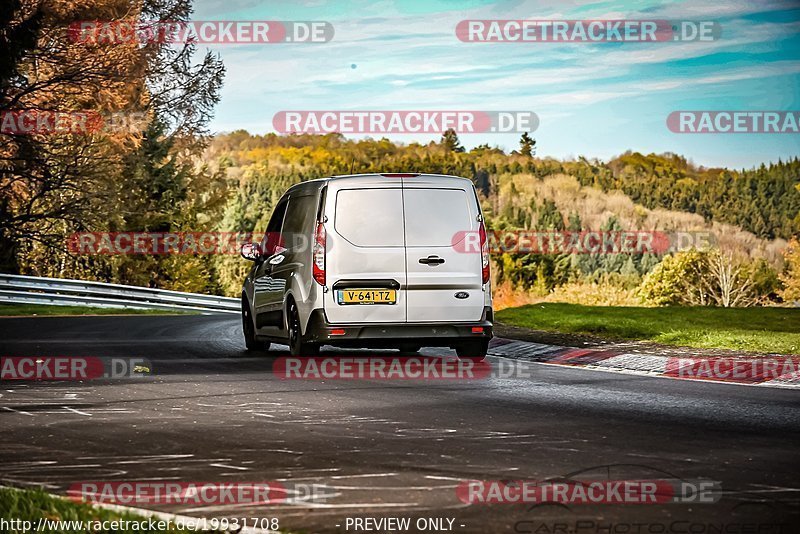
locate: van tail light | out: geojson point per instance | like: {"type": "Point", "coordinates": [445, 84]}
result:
{"type": "Point", "coordinates": [318, 254]}
{"type": "Point", "coordinates": [484, 254]}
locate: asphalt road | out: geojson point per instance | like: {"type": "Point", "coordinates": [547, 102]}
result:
{"type": "Point", "coordinates": [213, 412]}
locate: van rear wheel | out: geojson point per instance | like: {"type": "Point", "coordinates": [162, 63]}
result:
{"type": "Point", "coordinates": [297, 347]}
{"type": "Point", "coordinates": [475, 349]}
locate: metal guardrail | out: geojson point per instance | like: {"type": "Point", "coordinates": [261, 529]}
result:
{"type": "Point", "coordinates": [64, 292]}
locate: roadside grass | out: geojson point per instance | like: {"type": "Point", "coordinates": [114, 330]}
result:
{"type": "Point", "coordinates": [33, 505]}
{"type": "Point", "coordinates": [774, 330]}
{"type": "Point", "coordinates": [45, 309]}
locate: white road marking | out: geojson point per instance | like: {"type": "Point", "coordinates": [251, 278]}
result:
{"type": "Point", "coordinates": [73, 410]}
{"type": "Point", "coordinates": [224, 466]}
{"type": "Point", "coordinates": [17, 411]}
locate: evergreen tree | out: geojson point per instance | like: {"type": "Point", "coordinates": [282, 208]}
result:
{"type": "Point", "coordinates": [450, 141]}
{"type": "Point", "coordinates": [574, 222]}
{"type": "Point", "coordinates": [527, 145]}
{"type": "Point", "coordinates": [549, 217]}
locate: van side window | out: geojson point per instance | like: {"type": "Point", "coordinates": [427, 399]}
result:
{"type": "Point", "coordinates": [273, 231]}
{"type": "Point", "coordinates": [299, 222]}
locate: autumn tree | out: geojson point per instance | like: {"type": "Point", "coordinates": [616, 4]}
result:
{"type": "Point", "coordinates": [50, 182]}
{"type": "Point", "coordinates": [52, 185]}
{"type": "Point", "coordinates": [791, 275]}
{"type": "Point", "coordinates": [729, 280]}
{"type": "Point", "coordinates": [701, 278]}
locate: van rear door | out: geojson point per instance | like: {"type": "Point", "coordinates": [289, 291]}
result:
{"type": "Point", "coordinates": [365, 250]}
{"type": "Point", "coordinates": [438, 209]}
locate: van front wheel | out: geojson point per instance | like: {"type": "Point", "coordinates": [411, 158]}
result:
{"type": "Point", "coordinates": [249, 331]}
{"type": "Point", "coordinates": [296, 345]}
{"type": "Point", "coordinates": [475, 349]}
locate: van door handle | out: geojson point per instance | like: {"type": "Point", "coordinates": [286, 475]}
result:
{"type": "Point", "coordinates": [431, 260]}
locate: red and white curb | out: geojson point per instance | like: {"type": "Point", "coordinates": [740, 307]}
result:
{"type": "Point", "coordinates": [766, 371]}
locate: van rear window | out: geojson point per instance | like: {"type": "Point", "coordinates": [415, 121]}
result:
{"type": "Point", "coordinates": [434, 216]}
{"type": "Point", "coordinates": [370, 217]}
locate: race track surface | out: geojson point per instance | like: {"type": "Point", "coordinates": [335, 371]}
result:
{"type": "Point", "coordinates": [210, 411]}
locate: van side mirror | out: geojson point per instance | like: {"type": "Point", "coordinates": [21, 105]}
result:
{"type": "Point", "coordinates": [251, 251]}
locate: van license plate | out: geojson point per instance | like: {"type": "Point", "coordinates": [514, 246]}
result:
{"type": "Point", "coordinates": [367, 296]}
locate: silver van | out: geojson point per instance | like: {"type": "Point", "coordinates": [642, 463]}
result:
{"type": "Point", "coordinates": [372, 260]}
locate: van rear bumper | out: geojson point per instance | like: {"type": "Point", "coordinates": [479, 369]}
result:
{"type": "Point", "coordinates": [319, 330]}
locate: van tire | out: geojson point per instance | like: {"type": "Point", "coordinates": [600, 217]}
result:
{"type": "Point", "coordinates": [248, 330]}
{"type": "Point", "coordinates": [476, 349]}
{"type": "Point", "coordinates": [297, 347]}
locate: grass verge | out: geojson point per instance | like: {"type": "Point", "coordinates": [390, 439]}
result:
{"type": "Point", "coordinates": [45, 309]}
{"type": "Point", "coordinates": [775, 330]}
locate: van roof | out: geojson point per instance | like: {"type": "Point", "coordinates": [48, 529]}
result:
{"type": "Point", "coordinates": [346, 176]}
{"type": "Point", "coordinates": [319, 182]}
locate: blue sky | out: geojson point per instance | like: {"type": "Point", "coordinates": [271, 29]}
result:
{"type": "Point", "coordinates": [593, 100]}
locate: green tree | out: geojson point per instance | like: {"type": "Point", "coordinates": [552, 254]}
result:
{"type": "Point", "coordinates": [527, 145]}
{"type": "Point", "coordinates": [549, 218]}
{"type": "Point", "coordinates": [667, 283]}
{"type": "Point", "coordinates": [574, 222]}
{"type": "Point", "coordinates": [450, 141]}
